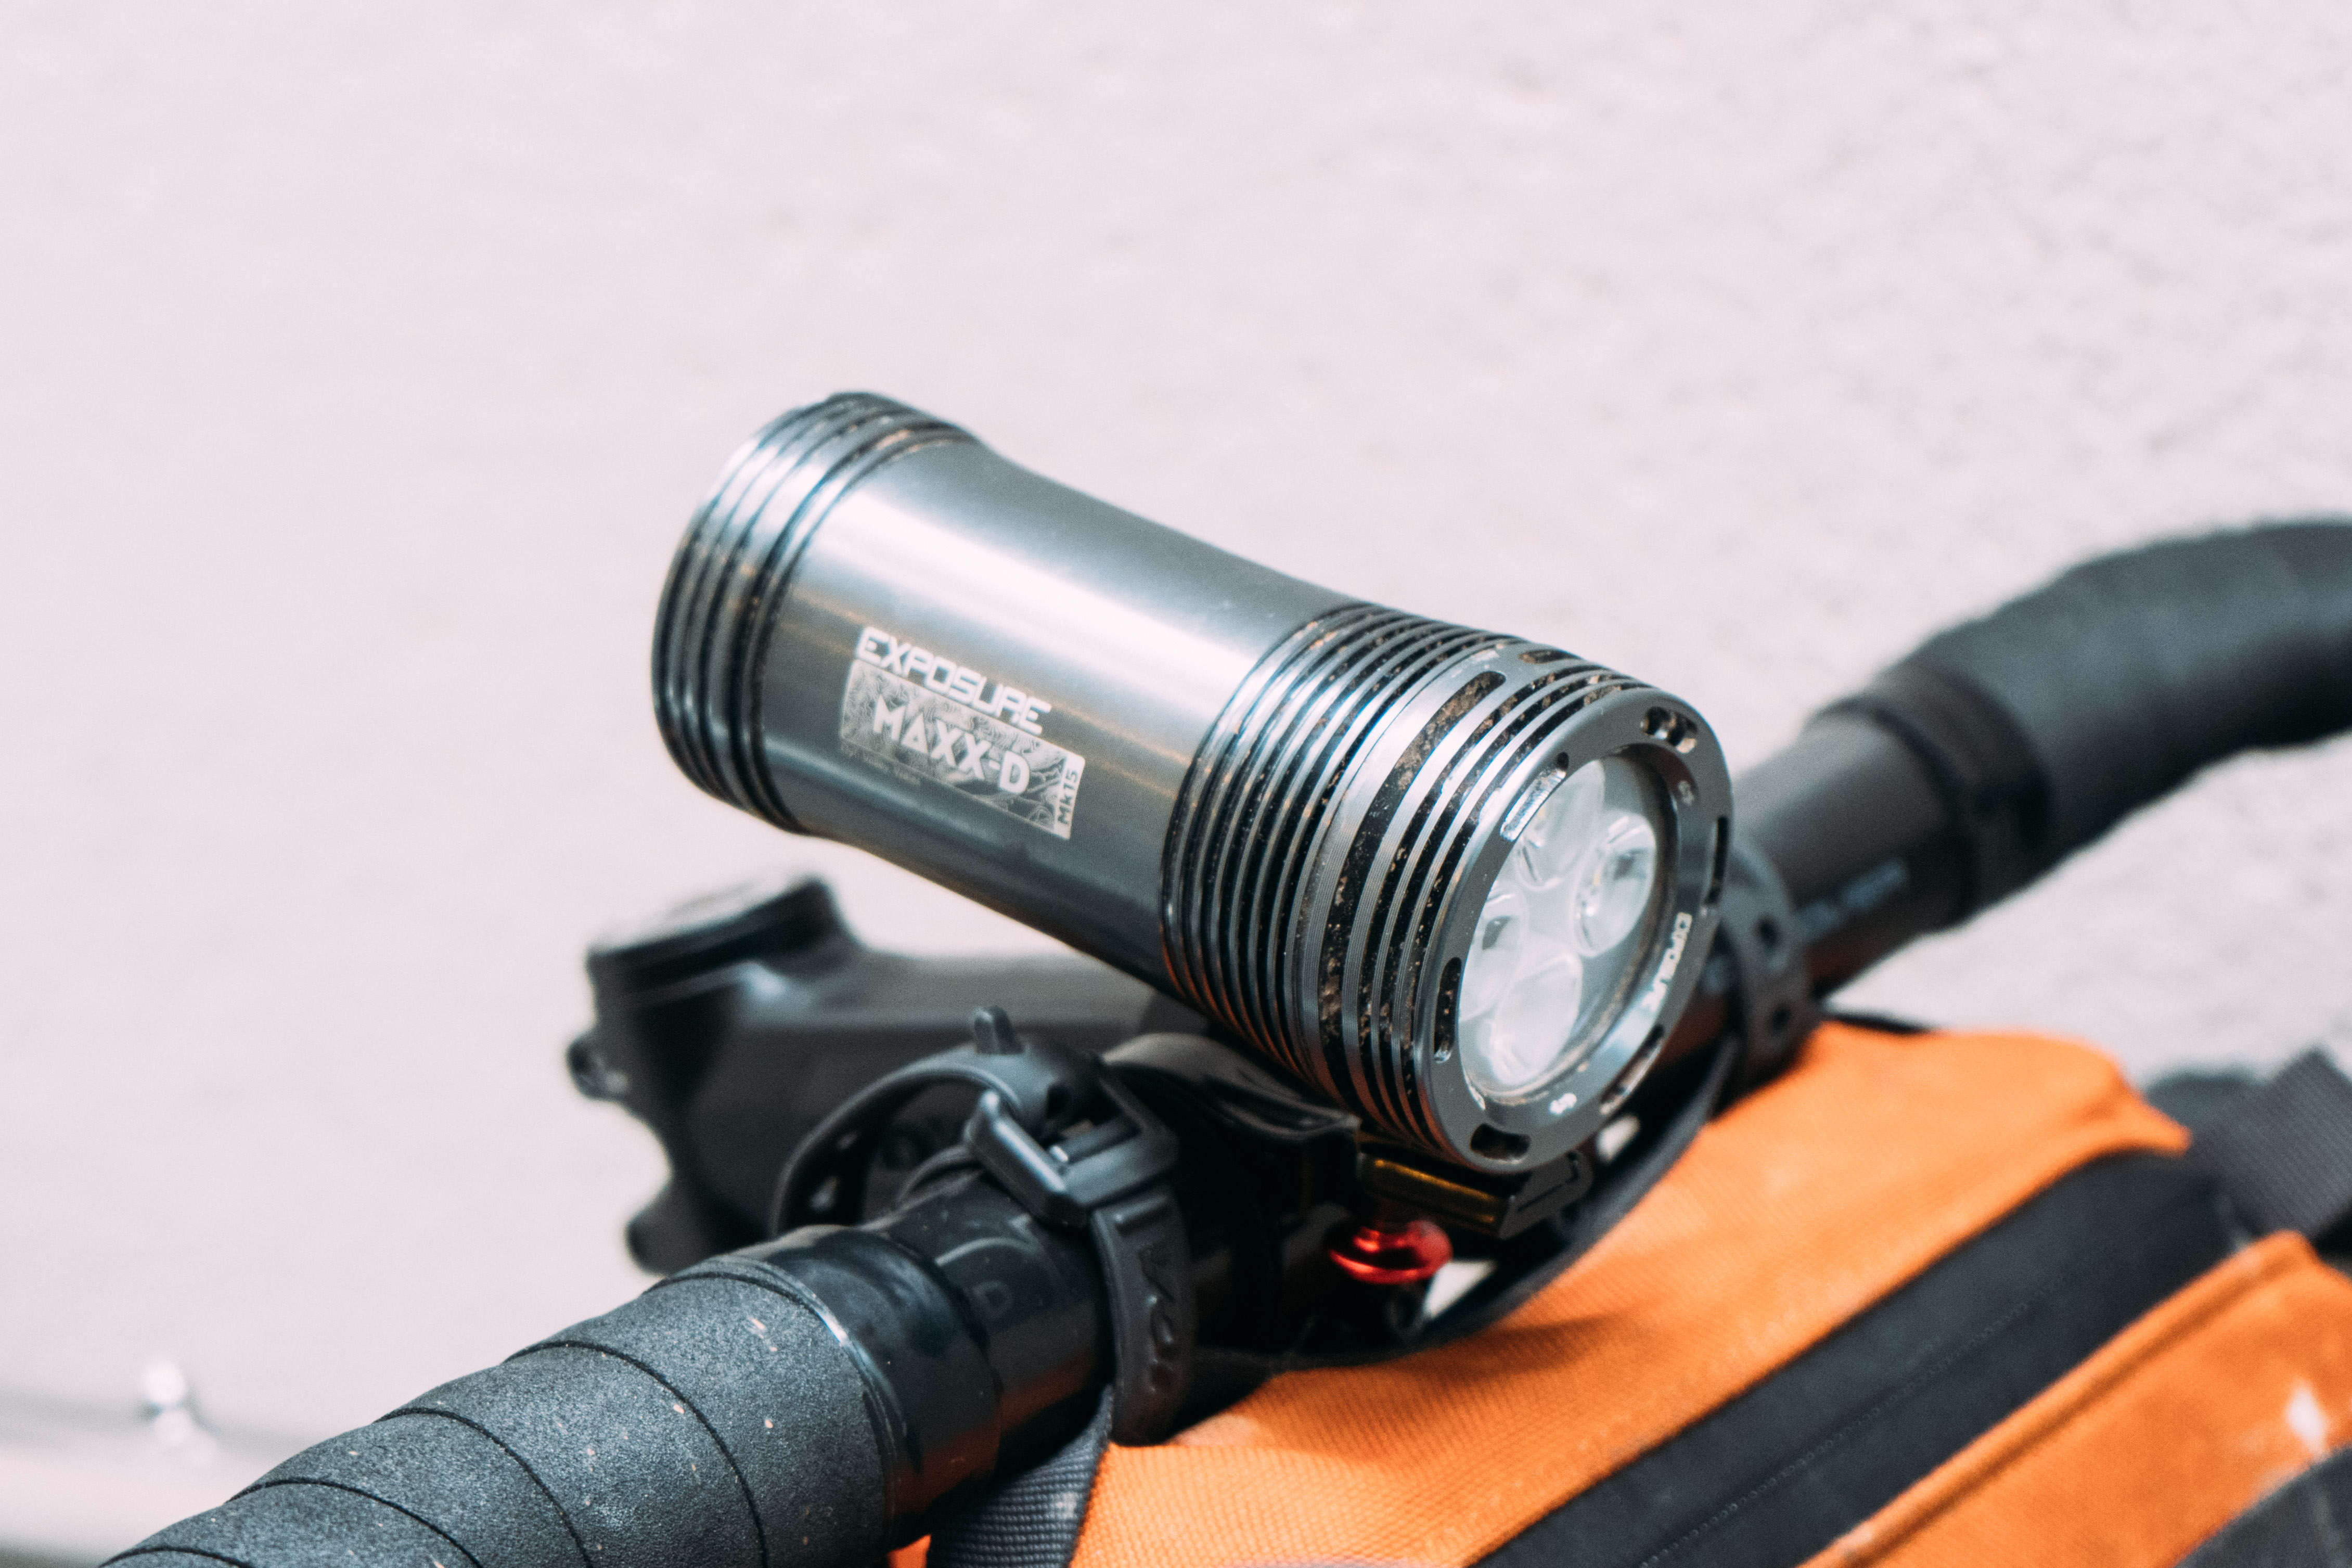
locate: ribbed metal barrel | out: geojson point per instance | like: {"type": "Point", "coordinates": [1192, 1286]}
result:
{"type": "Point", "coordinates": [1281, 806]}
{"type": "Point", "coordinates": [879, 631]}
{"type": "Point", "coordinates": [1336, 836]}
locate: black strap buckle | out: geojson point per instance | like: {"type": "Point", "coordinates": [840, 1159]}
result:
{"type": "Point", "coordinates": [1066, 1183]}
{"type": "Point", "coordinates": [1075, 1148]}
{"type": "Point", "coordinates": [2283, 1152]}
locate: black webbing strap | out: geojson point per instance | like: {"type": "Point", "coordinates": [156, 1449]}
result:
{"type": "Point", "coordinates": [2283, 1152]}
{"type": "Point", "coordinates": [1033, 1520]}
{"type": "Point", "coordinates": [2307, 1523]}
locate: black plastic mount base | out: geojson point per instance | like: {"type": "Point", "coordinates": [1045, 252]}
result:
{"type": "Point", "coordinates": [1772, 1006]}
{"type": "Point", "coordinates": [1496, 1206]}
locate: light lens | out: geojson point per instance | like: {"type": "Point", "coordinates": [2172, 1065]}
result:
{"type": "Point", "coordinates": [1568, 918]}
{"type": "Point", "coordinates": [1610, 884]}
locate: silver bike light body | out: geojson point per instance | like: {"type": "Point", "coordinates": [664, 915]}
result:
{"type": "Point", "coordinates": [1371, 845]}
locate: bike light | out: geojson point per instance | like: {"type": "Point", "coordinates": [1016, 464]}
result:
{"type": "Point", "coordinates": [1457, 882]}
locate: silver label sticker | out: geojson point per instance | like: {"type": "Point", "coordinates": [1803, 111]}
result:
{"type": "Point", "coordinates": [918, 732]}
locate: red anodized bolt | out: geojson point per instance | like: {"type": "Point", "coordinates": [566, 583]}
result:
{"type": "Point", "coordinates": [1406, 1254]}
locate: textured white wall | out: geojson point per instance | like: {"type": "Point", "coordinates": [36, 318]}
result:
{"type": "Point", "coordinates": [359, 366]}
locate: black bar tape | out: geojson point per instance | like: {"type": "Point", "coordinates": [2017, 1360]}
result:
{"type": "Point", "coordinates": [629, 1465]}
{"type": "Point", "coordinates": [441, 1470]}
{"type": "Point", "coordinates": [762, 1373]}
{"type": "Point", "coordinates": [1997, 748]}
{"type": "Point", "coordinates": [307, 1523]}
{"type": "Point", "coordinates": [710, 1421]}
{"type": "Point", "coordinates": [2130, 672]}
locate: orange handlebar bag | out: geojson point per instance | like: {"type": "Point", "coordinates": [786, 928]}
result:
{"type": "Point", "coordinates": [1927, 1297]}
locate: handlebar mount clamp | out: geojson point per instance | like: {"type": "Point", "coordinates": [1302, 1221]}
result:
{"type": "Point", "coordinates": [1075, 1149]}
